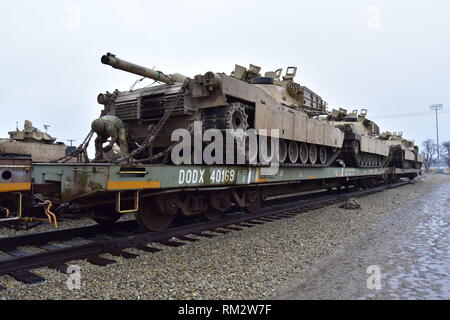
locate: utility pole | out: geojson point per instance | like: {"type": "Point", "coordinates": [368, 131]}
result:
{"type": "Point", "coordinates": [437, 107]}
{"type": "Point", "coordinates": [71, 141]}
{"type": "Point", "coordinates": [46, 126]}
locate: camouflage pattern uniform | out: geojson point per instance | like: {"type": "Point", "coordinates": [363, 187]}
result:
{"type": "Point", "coordinates": [106, 127]}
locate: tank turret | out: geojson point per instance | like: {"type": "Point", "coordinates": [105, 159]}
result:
{"type": "Point", "coordinates": [32, 142]}
{"type": "Point", "coordinates": [31, 134]}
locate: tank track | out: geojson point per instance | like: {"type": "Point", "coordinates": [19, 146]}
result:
{"type": "Point", "coordinates": [217, 118]}
{"type": "Point", "coordinates": [329, 162]}
{"type": "Point", "coordinates": [349, 156]}
{"type": "Point", "coordinates": [399, 161]}
{"type": "Point", "coordinates": [220, 117]}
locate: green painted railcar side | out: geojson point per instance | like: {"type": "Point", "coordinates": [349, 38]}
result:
{"type": "Point", "coordinates": [80, 180]}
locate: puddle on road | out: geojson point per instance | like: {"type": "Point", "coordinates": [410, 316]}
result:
{"type": "Point", "coordinates": [411, 249]}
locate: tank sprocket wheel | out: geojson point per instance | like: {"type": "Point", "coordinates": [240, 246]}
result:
{"type": "Point", "coordinates": [236, 117]}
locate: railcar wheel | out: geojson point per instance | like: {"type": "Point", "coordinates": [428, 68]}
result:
{"type": "Point", "coordinates": [312, 154]}
{"type": "Point", "coordinates": [255, 207]}
{"type": "Point", "coordinates": [219, 203]}
{"type": "Point", "coordinates": [303, 153]}
{"type": "Point", "coordinates": [150, 218]}
{"type": "Point", "coordinates": [293, 152]}
{"type": "Point", "coordinates": [258, 197]}
{"type": "Point", "coordinates": [323, 155]}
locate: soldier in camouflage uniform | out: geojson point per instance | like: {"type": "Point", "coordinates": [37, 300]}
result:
{"type": "Point", "coordinates": [106, 127]}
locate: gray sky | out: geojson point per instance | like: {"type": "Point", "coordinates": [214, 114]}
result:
{"type": "Point", "coordinates": [392, 57]}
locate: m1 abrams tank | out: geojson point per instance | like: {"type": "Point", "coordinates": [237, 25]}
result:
{"type": "Point", "coordinates": [33, 143]}
{"type": "Point", "coordinates": [404, 153]}
{"type": "Point", "coordinates": [362, 144]}
{"type": "Point", "coordinates": [243, 100]}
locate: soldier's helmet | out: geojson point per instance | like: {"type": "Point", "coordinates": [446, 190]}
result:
{"type": "Point", "coordinates": [100, 126]}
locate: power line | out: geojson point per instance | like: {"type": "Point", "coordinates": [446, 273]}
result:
{"type": "Point", "coordinates": [413, 114]}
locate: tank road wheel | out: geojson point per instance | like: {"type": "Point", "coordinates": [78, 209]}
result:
{"type": "Point", "coordinates": [104, 214]}
{"type": "Point", "coordinates": [219, 203]}
{"type": "Point", "coordinates": [369, 160]}
{"type": "Point", "coordinates": [251, 152]}
{"type": "Point", "coordinates": [361, 159]}
{"type": "Point", "coordinates": [355, 149]}
{"type": "Point", "coordinates": [265, 152]}
{"type": "Point", "coordinates": [303, 153]}
{"type": "Point", "coordinates": [293, 152]}
{"type": "Point", "coordinates": [323, 155]}
{"type": "Point", "coordinates": [151, 218]}
{"type": "Point", "coordinates": [312, 154]}
{"type": "Point", "coordinates": [282, 151]}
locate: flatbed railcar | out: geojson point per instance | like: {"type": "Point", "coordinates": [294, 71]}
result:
{"type": "Point", "coordinates": [158, 193]}
{"type": "Point", "coordinates": [15, 186]}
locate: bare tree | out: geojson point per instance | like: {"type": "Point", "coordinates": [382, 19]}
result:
{"type": "Point", "coordinates": [446, 152]}
{"type": "Point", "coordinates": [429, 153]}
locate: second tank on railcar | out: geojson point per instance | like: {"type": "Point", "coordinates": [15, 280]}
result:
{"type": "Point", "coordinates": [362, 144]}
{"type": "Point", "coordinates": [404, 153]}
{"type": "Point", "coordinates": [243, 100]}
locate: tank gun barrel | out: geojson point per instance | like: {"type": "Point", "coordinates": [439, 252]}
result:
{"type": "Point", "coordinates": [123, 65]}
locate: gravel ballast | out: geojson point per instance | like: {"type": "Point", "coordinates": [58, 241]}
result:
{"type": "Point", "coordinates": [249, 264]}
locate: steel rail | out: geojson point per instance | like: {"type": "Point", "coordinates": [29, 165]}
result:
{"type": "Point", "coordinates": [140, 240]}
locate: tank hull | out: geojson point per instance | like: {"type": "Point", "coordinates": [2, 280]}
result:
{"type": "Point", "coordinates": [142, 109]}
{"type": "Point", "coordinates": [39, 152]}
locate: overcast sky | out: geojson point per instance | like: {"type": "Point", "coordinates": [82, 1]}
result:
{"type": "Point", "coordinates": [392, 57]}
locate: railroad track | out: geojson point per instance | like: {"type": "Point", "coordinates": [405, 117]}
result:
{"type": "Point", "coordinates": [62, 246]}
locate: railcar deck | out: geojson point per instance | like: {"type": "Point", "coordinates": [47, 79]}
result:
{"type": "Point", "coordinates": [73, 181]}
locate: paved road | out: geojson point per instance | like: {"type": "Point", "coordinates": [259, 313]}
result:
{"type": "Point", "coordinates": [411, 249]}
